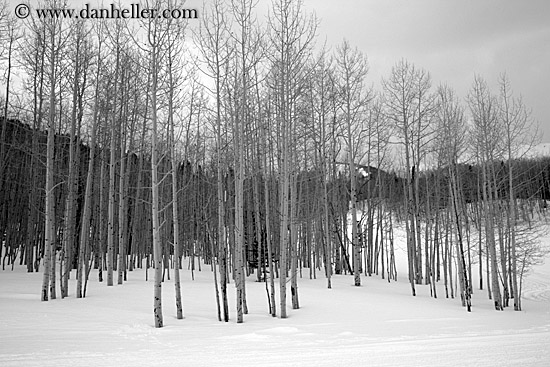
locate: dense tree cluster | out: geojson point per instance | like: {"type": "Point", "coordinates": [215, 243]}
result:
{"type": "Point", "coordinates": [255, 153]}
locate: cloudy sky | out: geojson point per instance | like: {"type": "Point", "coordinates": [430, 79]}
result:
{"type": "Point", "coordinates": [453, 40]}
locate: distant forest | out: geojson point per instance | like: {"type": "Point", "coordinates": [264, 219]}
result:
{"type": "Point", "coordinates": [246, 146]}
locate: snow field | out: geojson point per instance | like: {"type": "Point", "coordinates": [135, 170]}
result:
{"type": "Point", "coordinates": [378, 324]}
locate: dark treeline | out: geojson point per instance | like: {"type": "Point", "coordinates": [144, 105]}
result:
{"type": "Point", "coordinates": [23, 193]}
{"type": "Point", "coordinates": [531, 180]}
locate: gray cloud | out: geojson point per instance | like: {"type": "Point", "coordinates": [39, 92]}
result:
{"type": "Point", "coordinates": [451, 39]}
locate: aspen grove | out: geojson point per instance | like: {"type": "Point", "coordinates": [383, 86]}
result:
{"type": "Point", "coordinates": [238, 143]}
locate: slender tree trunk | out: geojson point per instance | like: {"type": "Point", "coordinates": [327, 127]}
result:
{"type": "Point", "coordinates": [87, 209]}
{"type": "Point", "coordinates": [353, 211]}
{"type": "Point", "coordinates": [122, 193]}
{"type": "Point", "coordinates": [294, 242]}
{"type": "Point", "coordinates": [33, 231]}
{"type": "Point", "coordinates": [327, 236]}
{"type": "Point", "coordinates": [50, 252]}
{"type": "Point", "coordinates": [284, 202]}
{"type": "Point", "coordinates": [69, 233]}
{"type": "Point", "coordinates": [157, 246]}
{"type": "Point", "coordinates": [490, 238]}
{"type": "Point", "coordinates": [268, 234]}
{"type": "Point", "coordinates": [463, 274]}
{"type": "Point", "coordinates": [175, 201]}
{"type": "Point", "coordinates": [222, 241]}
{"type": "Point", "coordinates": [112, 181]}
{"type": "Point", "coordinates": [512, 233]}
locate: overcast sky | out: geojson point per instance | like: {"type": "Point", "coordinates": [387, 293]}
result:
{"type": "Point", "coordinates": [451, 39]}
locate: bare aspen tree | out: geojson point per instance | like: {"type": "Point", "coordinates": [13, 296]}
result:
{"type": "Point", "coordinates": [258, 155]}
{"type": "Point", "coordinates": [138, 213]}
{"type": "Point", "coordinates": [399, 101]}
{"type": "Point", "coordinates": [267, 171]}
{"type": "Point", "coordinates": [352, 69]}
{"type": "Point", "coordinates": [122, 159]}
{"type": "Point", "coordinates": [324, 136]}
{"type": "Point", "coordinates": [374, 140]}
{"type": "Point", "coordinates": [291, 37]}
{"type": "Point", "coordinates": [519, 134]}
{"type": "Point", "coordinates": [55, 41]}
{"type": "Point", "coordinates": [283, 122]}
{"type": "Point", "coordinates": [87, 209]}
{"type": "Point", "coordinates": [322, 90]}
{"type": "Point", "coordinates": [116, 35]}
{"type": "Point", "coordinates": [80, 63]}
{"type": "Point", "coordinates": [10, 35]}
{"type": "Point", "coordinates": [248, 42]}
{"type": "Point", "coordinates": [127, 111]}
{"type": "Point", "coordinates": [160, 37]}
{"type": "Point", "coordinates": [155, 46]}
{"type": "Point", "coordinates": [212, 39]}
{"type": "Point", "coordinates": [422, 136]}
{"type": "Point", "coordinates": [174, 65]}
{"type": "Point", "coordinates": [154, 64]}
{"type": "Point", "coordinates": [32, 53]}
{"type": "Point", "coordinates": [483, 108]}
{"type": "Point", "coordinates": [451, 143]}
{"type": "Point", "coordinates": [295, 189]}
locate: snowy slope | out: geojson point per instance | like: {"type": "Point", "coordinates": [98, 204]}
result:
{"type": "Point", "coordinates": [378, 324]}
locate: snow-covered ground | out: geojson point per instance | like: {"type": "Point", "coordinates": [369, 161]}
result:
{"type": "Point", "coordinates": [377, 324]}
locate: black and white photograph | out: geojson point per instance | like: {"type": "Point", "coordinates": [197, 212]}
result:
{"type": "Point", "coordinates": [274, 183]}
